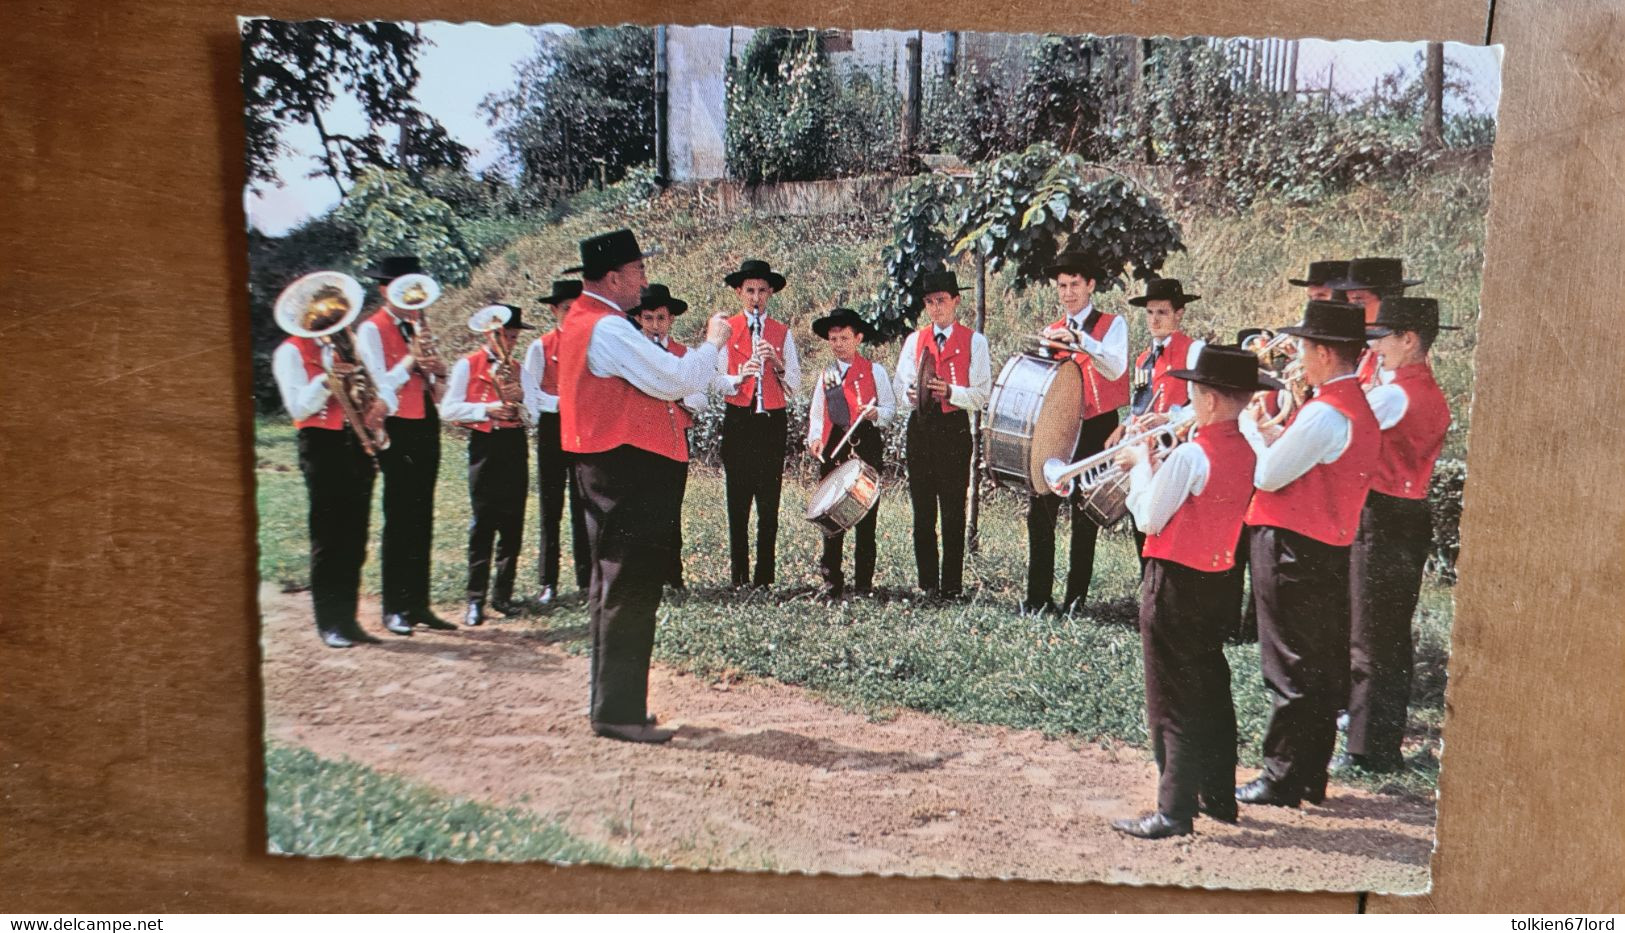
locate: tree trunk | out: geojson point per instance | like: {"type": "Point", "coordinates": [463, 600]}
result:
{"type": "Point", "coordinates": [1433, 108]}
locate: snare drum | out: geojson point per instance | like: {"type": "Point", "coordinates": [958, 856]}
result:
{"type": "Point", "coordinates": [1034, 413]}
{"type": "Point", "coordinates": [844, 497]}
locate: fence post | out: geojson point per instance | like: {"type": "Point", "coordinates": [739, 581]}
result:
{"type": "Point", "coordinates": [911, 102]}
{"type": "Point", "coordinates": [1433, 112]}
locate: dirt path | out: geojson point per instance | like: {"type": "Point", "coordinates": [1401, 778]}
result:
{"type": "Point", "coordinates": [765, 776]}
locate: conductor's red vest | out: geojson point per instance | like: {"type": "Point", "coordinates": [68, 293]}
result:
{"type": "Point", "coordinates": [739, 350]}
{"type": "Point", "coordinates": [1325, 503]}
{"type": "Point", "coordinates": [331, 417]}
{"type": "Point", "coordinates": [858, 387]}
{"type": "Point", "coordinates": [1174, 356]}
{"type": "Point", "coordinates": [409, 397]}
{"type": "Point", "coordinates": [951, 363]}
{"type": "Point", "coordinates": [482, 389]}
{"type": "Point", "coordinates": [1411, 447]}
{"type": "Point", "coordinates": [597, 413]}
{"type": "Point", "coordinates": [1100, 395]}
{"type": "Point", "coordinates": [1204, 529]}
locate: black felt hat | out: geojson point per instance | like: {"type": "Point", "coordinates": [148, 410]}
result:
{"type": "Point", "coordinates": [1076, 262]}
{"type": "Point", "coordinates": [516, 318]}
{"type": "Point", "coordinates": [841, 317]}
{"type": "Point", "coordinates": [942, 280]}
{"type": "Point", "coordinates": [606, 252]}
{"type": "Point", "coordinates": [563, 290]}
{"type": "Point", "coordinates": [658, 296]}
{"type": "Point", "coordinates": [1374, 273]}
{"type": "Point", "coordinates": [1330, 322]}
{"type": "Point", "coordinates": [1227, 368]}
{"type": "Point", "coordinates": [1399, 313]}
{"type": "Point", "coordinates": [1246, 332]}
{"type": "Point", "coordinates": [393, 267]}
{"type": "Point", "coordinates": [1164, 290]}
{"type": "Point", "coordinates": [1323, 272]}
{"type": "Point", "coordinates": [754, 269]}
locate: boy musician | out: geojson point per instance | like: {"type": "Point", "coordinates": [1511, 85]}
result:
{"type": "Point", "coordinates": [338, 472]}
{"type": "Point", "coordinates": [1322, 272]}
{"type": "Point", "coordinates": [939, 443]}
{"type": "Point", "coordinates": [617, 411]}
{"type": "Point", "coordinates": [1191, 508]}
{"type": "Point", "coordinates": [388, 344]}
{"type": "Point", "coordinates": [1396, 531]}
{"type": "Point", "coordinates": [1368, 282]}
{"type": "Point", "coordinates": [1102, 357]}
{"type": "Point", "coordinates": [484, 393]}
{"type": "Point", "coordinates": [540, 378]}
{"type": "Point", "coordinates": [852, 390]}
{"type": "Point", "coordinates": [763, 373]}
{"type": "Point", "coordinates": [1311, 484]}
{"type": "Point", "coordinates": [654, 313]}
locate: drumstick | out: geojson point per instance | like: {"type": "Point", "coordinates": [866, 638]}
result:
{"type": "Point", "coordinates": [849, 432]}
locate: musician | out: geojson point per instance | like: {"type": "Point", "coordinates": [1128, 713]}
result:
{"type": "Point", "coordinates": [1396, 531]}
{"type": "Point", "coordinates": [540, 378]}
{"type": "Point", "coordinates": [1171, 348]}
{"type": "Point", "coordinates": [1102, 358]}
{"type": "Point", "coordinates": [411, 465]}
{"type": "Point", "coordinates": [1368, 282]}
{"type": "Point", "coordinates": [498, 456]}
{"type": "Point", "coordinates": [853, 390]}
{"type": "Point", "coordinates": [338, 471]}
{"type": "Point", "coordinates": [763, 372]}
{"type": "Point", "coordinates": [1311, 484]}
{"type": "Point", "coordinates": [653, 314]}
{"type": "Point", "coordinates": [1191, 507]}
{"type": "Point", "coordinates": [938, 438]}
{"type": "Point", "coordinates": [1317, 282]}
{"type": "Point", "coordinates": [617, 410]}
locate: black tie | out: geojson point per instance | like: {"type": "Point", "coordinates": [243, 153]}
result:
{"type": "Point", "coordinates": [1156, 354]}
{"type": "Point", "coordinates": [835, 398]}
{"type": "Point", "coordinates": [942, 340]}
{"type": "Point", "coordinates": [406, 330]}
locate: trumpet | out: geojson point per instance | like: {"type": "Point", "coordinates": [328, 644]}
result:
{"type": "Point", "coordinates": [1098, 469]}
{"type": "Point", "coordinates": [1278, 357]}
{"type": "Point", "coordinates": [321, 306]}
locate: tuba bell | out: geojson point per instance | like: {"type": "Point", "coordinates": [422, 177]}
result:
{"type": "Point", "coordinates": [321, 306]}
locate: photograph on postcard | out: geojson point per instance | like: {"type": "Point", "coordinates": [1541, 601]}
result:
{"type": "Point", "coordinates": [913, 452]}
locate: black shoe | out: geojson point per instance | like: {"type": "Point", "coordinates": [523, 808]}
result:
{"type": "Point", "coordinates": [1266, 792]}
{"type": "Point", "coordinates": [1223, 809]}
{"type": "Point", "coordinates": [335, 640]}
{"type": "Point", "coordinates": [546, 595]}
{"type": "Point", "coordinates": [475, 615]}
{"type": "Point", "coordinates": [398, 623]}
{"type": "Point", "coordinates": [509, 606]}
{"type": "Point", "coordinates": [360, 636]}
{"type": "Point", "coordinates": [1032, 609]}
{"type": "Point", "coordinates": [1367, 763]}
{"type": "Point", "coordinates": [633, 733]}
{"type": "Point", "coordinates": [1153, 826]}
{"type": "Point", "coordinates": [951, 596]}
{"type": "Point", "coordinates": [426, 618]}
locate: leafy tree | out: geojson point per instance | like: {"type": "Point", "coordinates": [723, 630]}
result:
{"type": "Point", "coordinates": [273, 262]}
{"type": "Point", "coordinates": [390, 216]}
{"type": "Point", "coordinates": [586, 95]}
{"type": "Point", "coordinates": [294, 71]}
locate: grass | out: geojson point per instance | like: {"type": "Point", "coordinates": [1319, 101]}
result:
{"type": "Point", "coordinates": [973, 662]}
{"type": "Point", "coordinates": [316, 806]}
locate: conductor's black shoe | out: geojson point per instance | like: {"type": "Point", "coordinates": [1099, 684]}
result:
{"type": "Point", "coordinates": [426, 618]}
{"type": "Point", "coordinates": [1222, 809]}
{"type": "Point", "coordinates": [640, 732]}
{"type": "Point", "coordinates": [475, 614]}
{"type": "Point", "coordinates": [1268, 793]}
{"type": "Point", "coordinates": [335, 640]}
{"type": "Point", "coordinates": [1153, 826]}
{"type": "Point", "coordinates": [398, 623]}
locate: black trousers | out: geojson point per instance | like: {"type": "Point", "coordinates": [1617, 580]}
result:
{"type": "Point", "coordinates": [939, 455]}
{"type": "Point", "coordinates": [870, 447]}
{"type": "Point", "coordinates": [498, 479]}
{"type": "Point", "coordinates": [674, 569]}
{"type": "Point", "coordinates": [1237, 595]}
{"type": "Point", "coordinates": [1189, 714]}
{"type": "Point", "coordinates": [753, 471]}
{"type": "Point", "coordinates": [1385, 576]}
{"type": "Point", "coordinates": [1301, 591]}
{"type": "Point", "coordinates": [553, 475]}
{"type": "Point", "coordinates": [411, 465]}
{"type": "Point", "coordinates": [338, 481]}
{"type": "Point", "coordinates": [630, 497]}
{"type": "Point", "coordinates": [1042, 512]}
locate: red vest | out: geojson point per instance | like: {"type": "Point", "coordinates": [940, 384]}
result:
{"type": "Point", "coordinates": [676, 348]}
{"type": "Point", "coordinates": [1368, 369]}
{"type": "Point", "coordinates": [331, 417]}
{"type": "Point", "coordinates": [409, 397]}
{"type": "Point", "coordinates": [951, 363]}
{"type": "Point", "coordinates": [1100, 395]}
{"type": "Point", "coordinates": [482, 388]}
{"type": "Point", "coordinates": [1174, 356]}
{"type": "Point", "coordinates": [550, 362]}
{"type": "Point", "coordinates": [1410, 448]}
{"type": "Point", "coordinates": [859, 389]}
{"type": "Point", "coordinates": [597, 413]}
{"type": "Point", "coordinates": [1325, 503]}
{"type": "Point", "coordinates": [739, 347]}
{"type": "Point", "coordinates": [1205, 528]}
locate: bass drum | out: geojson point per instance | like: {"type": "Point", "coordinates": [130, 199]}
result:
{"type": "Point", "coordinates": [1034, 413]}
{"type": "Point", "coordinates": [844, 497]}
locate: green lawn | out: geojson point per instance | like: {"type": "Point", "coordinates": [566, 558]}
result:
{"type": "Point", "coordinates": [977, 661]}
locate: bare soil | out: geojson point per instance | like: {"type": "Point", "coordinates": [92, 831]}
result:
{"type": "Point", "coordinates": [763, 776]}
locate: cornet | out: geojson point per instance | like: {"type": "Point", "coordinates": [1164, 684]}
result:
{"type": "Point", "coordinates": [321, 306]}
{"type": "Point", "coordinates": [1100, 468]}
{"type": "Point", "coordinates": [1278, 357]}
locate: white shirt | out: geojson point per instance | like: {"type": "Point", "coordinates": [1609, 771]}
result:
{"type": "Point", "coordinates": [885, 402]}
{"type": "Point", "coordinates": [1153, 498]}
{"type": "Point", "coordinates": [455, 405]}
{"type": "Point", "coordinates": [792, 364]}
{"type": "Point", "coordinates": [1388, 401]}
{"type": "Point", "coordinates": [617, 349]}
{"type": "Point", "coordinates": [370, 347]}
{"type": "Point", "coordinates": [303, 396]}
{"type": "Point", "coordinates": [971, 397]}
{"type": "Point", "coordinates": [530, 378]}
{"type": "Point", "coordinates": [1110, 353]}
{"type": "Point", "coordinates": [1318, 435]}
{"type": "Point", "coordinates": [695, 402]}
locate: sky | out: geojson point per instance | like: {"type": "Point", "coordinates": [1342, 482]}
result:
{"type": "Point", "coordinates": [468, 61]}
